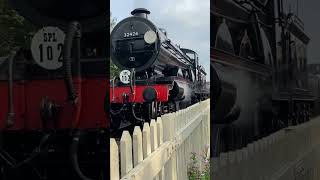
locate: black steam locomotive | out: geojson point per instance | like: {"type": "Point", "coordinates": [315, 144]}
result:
{"type": "Point", "coordinates": [157, 77]}
{"type": "Point", "coordinates": [259, 71]}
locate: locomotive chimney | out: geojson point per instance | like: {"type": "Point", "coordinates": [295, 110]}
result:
{"type": "Point", "coordinates": [163, 30]}
{"type": "Point", "coordinates": [141, 12]}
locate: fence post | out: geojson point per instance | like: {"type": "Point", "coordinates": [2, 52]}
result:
{"type": "Point", "coordinates": [171, 168]}
{"type": "Point", "coordinates": [137, 146]}
{"type": "Point", "coordinates": [154, 138]}
{"type": "Point", "coordinates": [167, 132]}
{"type": "Point", "coordinates": [146, 140]}
{"type": "Point", "coordinates": [160, 130]}
{"type": "Point", "coordinates": [153, 134]}
{"type": "Point", "coordinates": [114, 160]}
{"type": "Point", "coordinates": [125, 153]}
{"type": "Point", "coordinates": [160, 141]}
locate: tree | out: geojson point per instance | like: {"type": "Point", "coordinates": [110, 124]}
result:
{"type": "Point", "coordinates": [14, 29]}
{"type": "Point", "coordinates": [114, 70]}
{"type": "Point", "coordinates": [113, 22]}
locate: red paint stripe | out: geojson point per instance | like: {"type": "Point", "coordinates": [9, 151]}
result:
{"type": "Point", "coordinates": [116, 94]}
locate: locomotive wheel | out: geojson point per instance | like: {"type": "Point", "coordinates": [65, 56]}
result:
{"type": "Point", "coordinates": [177, 106]}
{"type": "Point", "coordinates": [295, 119]}
{"type": "Point", "coordinates": [171, 107]}
{"type": "Point", "coordinates": [309, 114]}
{"type": "Point", "coordinates": [276, 121]}
{"type": "Point", "coordinates": [153, 110]}
{"type": "Point", "coordinates": [305, 115]}
{"type": "Point", "coordinates": [161, 107]}
{"type": "Point", "coordinates": [301, 114]}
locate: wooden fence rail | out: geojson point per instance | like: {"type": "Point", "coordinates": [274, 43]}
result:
{"type": "Point", "coordinates": [161, 150]}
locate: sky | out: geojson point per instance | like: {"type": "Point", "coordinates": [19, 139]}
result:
{"type": "Point", "coordinates": [187, 22]}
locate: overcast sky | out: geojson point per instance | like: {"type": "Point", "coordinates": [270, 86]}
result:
{"type": "Point", "coordinates": [187, 22]}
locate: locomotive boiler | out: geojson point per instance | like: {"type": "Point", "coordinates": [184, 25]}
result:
{"type": "Point", "coordinates": [52, 125]}
{"type": "Point", "coordinates": [137, 43]}
{"type": "Point", "coordinates": [258, 65]}
{"type": "Point", "coordinates": [158, 76]}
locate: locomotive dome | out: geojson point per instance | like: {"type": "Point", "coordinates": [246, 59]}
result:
{"type": "Point", "coordinates": [135, 41]}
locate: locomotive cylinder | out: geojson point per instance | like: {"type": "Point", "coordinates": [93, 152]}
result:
{"type": "Point", "coordinates": [226, 104]}
{"type": "Point", "coordinates": [177, 92]}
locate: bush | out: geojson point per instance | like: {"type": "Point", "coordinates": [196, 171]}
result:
{"type": "Point", "coordinates": [196, 172]}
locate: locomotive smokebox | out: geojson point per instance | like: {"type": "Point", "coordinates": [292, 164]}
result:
{"type": "Point", "coordinates": [141, 12]}
{"type": "Point", "coordinates": [137, 43]}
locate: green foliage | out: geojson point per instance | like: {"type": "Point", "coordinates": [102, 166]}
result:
{"type": "Point", "coordinates": [113, 22]}
{"type": "Point", "coordinates": [114, 70]}
{"type": "Point", "coordinates": [194, 171]}
{"type": "Point", "coordinates": [14, 29]}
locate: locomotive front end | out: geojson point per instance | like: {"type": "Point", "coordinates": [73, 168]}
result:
{"type": "Point", "coordinates": [157, 75]}
{"type": "Point", "coordinates": [135, 42]}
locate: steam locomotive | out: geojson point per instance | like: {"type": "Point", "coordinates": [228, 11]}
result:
{"type": "Point", "coordinates": [52, 119]}
{"type": "Point", "coordinates": [158, 76]}
{"type": "Point", "coordinates": [259, 71]}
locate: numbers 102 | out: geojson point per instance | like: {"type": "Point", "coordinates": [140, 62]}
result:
{"type": "Point", "coordinates": [47, 52]}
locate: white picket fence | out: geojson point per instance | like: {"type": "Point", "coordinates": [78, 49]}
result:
{"type": "Point", "coordinates": [289, 154]}
{"type": "Point", "coordinates": [162, 149]}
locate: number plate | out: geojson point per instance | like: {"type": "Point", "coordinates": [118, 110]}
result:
{"type": "Point", "coordinates": [130, 34]}
{"type": "Point", "coordinates": [125, 76]}
{"type": "Point", "coordinates": [47, 47]}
